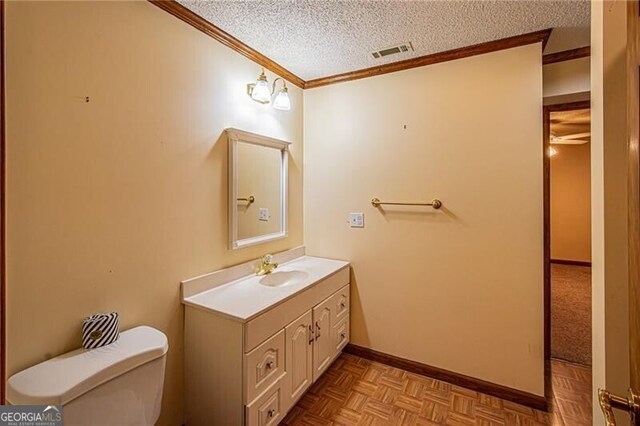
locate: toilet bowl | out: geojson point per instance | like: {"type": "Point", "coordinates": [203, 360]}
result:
{"type": "Point", "coordinates": [119, 384]}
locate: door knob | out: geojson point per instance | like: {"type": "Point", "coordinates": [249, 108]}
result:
{"type": "Point", "coordinates": [609, 401]}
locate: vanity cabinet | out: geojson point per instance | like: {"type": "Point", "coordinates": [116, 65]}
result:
{"type": "Point", "coordinates": [251, 372]}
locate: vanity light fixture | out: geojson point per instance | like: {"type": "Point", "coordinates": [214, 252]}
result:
{"type": "Point", "coordinates": [259, 92]}
{"type": "Point", "coordinates": [282, 101]}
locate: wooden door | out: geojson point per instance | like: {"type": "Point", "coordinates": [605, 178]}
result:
{"type": "Point", "coordinates": [631, 402]}
{"type": "Point", "coordinates": [3, 252]}
{"type": "Point", "coordinates": [633, 108]}
{"type": "Point", "coordinates": [299, 357]}
{"type": "Point", "coordinates": [323, 348]}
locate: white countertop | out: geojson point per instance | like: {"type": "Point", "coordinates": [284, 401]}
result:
{"type": "Point", "coordinates": [245, 298]}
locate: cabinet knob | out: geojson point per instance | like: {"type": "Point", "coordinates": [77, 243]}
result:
{"type": "Point", "coordinates": [343, 335]}
{"type": "Point", "coordinates": [342, 305]}
{"type": "Point", "coordinates": [270, 365]}
{"type": "Point", "coordinates": [271, 413]}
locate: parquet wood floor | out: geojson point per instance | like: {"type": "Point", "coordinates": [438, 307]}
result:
{"type": "Point", "coordinates": [571, 389]}
{"type": "Point", "coordinates": [356, 391]}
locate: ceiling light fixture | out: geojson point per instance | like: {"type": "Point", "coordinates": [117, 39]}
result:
{"type": "Point", "coordinates": [259, 92]}
{"type": "Point", "coordinates": [571, 139]}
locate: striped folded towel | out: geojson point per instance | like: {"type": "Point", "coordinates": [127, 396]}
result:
{"type": "Point", "coordinates": [99, 330]}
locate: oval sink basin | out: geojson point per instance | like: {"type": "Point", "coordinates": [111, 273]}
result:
{"type": "Point", "coordinates": [283, 278]}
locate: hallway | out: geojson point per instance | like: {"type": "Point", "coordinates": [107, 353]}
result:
{"type": "Point", "coordinates": [571, 313]}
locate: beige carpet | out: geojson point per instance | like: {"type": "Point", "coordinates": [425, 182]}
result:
{"type": "Point", "coordinates": [571, 313]}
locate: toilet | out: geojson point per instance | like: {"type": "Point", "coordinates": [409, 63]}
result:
{"type": "Point", "coordinates": [119, 384]}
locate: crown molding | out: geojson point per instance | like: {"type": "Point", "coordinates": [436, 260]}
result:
{"type": "Point", "coordinates": [196, 21]}
{"type": "Point", "coordinates": [566, 55]}
{"type": "Point", "coordinates": [450, 55]}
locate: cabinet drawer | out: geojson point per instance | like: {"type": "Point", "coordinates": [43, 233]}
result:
{"type": "Point", "coordinates": [341, 334]}
{"type": "Point", "coordinates": [267, 410]}
{"type": "Point", "coordinates": [340, 304]}
{"type": "Point", "coordinates": [264, 366]}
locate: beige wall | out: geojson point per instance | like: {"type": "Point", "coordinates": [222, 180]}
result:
{"type": "Point", "coordinates": [571, 203]}
{"type": "Point", "coordinates": [460, 288]}
{"type": "Point", "coordinates": [609, 202]}
{"type": "Point", "coordinates": [112, 203]}
{"type": "Point", "coordinates": [259, 174]}
{"type": "Point", "coordinates": [566, 77]}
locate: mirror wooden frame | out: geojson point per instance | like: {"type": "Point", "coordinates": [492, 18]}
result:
{"type": "Point", "coordinates": [234, 137]}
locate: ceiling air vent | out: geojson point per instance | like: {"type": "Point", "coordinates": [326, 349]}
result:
{"type": "Point", "coordinates": [402, 48]}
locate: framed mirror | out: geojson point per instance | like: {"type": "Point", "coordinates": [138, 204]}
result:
{"type": "Point", "coordinates": [258, 185]}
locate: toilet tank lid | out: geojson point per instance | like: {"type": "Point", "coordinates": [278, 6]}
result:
{"type": "Point", "coordinates": [66, 377]}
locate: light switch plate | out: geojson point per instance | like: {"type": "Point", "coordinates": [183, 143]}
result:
{"type": "Point", "coordinates": [356, 220]}
{"type": "Point", "coordinates": [263, 214]}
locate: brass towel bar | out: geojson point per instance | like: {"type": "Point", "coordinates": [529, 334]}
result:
{"type": "Point", "coordinates": [250, 199]}
{"type": "Point", "coordinates": [435, 203]}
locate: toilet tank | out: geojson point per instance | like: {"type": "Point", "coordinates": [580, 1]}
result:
{"type": "Point", "coordinates": [119, 384]}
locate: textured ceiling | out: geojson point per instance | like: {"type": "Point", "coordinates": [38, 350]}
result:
{"type": "Point", "coordinates": [318, 38]}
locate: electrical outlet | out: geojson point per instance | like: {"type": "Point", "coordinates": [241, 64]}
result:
{"type": "Point", "coordinates": [263, 214]}
{"type": "Point", "coordinates": [356, 220]}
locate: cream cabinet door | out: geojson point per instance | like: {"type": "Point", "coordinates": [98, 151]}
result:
{"type": "Point", "coordinates": [299, 359]}
{"type": "Point", "coordinates": [323, 345]}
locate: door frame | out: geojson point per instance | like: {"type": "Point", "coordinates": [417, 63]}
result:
{"type": "Point", "coordinates": [633, 196]}
{"type": "Point", "coordinates": [546, 177]}
{"type": "Point", "coordinates": [3, 251]}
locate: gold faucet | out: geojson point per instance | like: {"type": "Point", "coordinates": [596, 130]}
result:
{"type": "Point", "coordinates": [267, 265]}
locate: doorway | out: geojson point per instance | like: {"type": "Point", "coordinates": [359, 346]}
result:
{"type": "Point", "coordinates": [570, 230]}
{"type": "Point", "coordinates": [567, 267]}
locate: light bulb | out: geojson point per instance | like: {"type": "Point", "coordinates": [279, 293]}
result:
{"type": "Point", "coordinates": [261, 91]}
{"type": "Point", "coordinates": [282, 101]}
{"type": "Point", "coordinates": [552, 151]}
